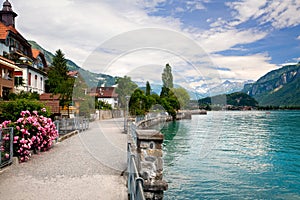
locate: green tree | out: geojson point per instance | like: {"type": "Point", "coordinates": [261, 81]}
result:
{"type": "Point", "coordinates": [59, 82]}
{"type": "Point", "coordinates": [102, 105]}
{"type": "Point", "coordinates": [148, 89]}
{"type": "Point", "coordinates": [81, 98]}
{"type": "Point", "coordinates": [125, 88]}
{"type": "Point", "coordinates": [167, 97]}
{"type": "Point", "coordinates": [182, 95]}
{"type": "Point", "coordinates": [137, 103]}
{"type": "Point", "coordinates": [24, 95]}
{"type": "Point", "coordinates": [167, 77]}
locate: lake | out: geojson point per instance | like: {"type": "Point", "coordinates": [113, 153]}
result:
{"type": "Point", "coordinates": [233, 155]}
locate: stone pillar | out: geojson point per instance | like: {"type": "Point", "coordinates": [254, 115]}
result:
{"type": "Point", "coordinates": [150, 163]}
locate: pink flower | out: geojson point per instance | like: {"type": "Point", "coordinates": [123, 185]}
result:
{"type": "Point", "coordinates": [6, 155]}
{"type": "Point", "coordinates": [16, 138]}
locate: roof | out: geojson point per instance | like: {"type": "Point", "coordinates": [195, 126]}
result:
{"type": "Point", "coordinates": [7, 6]}
{"type": "Point", "coordinates": [49, 96]}
{"type": "Point", "coordinates": [7, 60]}
{"type": "Point", "coordinates": [9, 63]}
{"type": "Point", "coordinates": [105, 92]}
{"type": "Point", "coordinates": [35, 53]}
{"type": "Point", "coordinates": [4, 30]}
{"type": "Point", "coordinates": [72, 73]}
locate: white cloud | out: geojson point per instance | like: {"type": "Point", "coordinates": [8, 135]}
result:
{"type": "Point", "coordinates": [78, 27]}
{"type": "Point", "coordinates": [249, 67]}
{"type": "Point", "coordinates": [298, 38]}
{"type": "Point", "coordinates": [280, 14]}
{"type": "Point", "coordinates": [215, 40]}
{"type": "Point", "coordinates": [246, 9]}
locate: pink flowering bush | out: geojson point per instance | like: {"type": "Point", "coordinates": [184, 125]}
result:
{"type": "Point", "coordinates": [32, 132]}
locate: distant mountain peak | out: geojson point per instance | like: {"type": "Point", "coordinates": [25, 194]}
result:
{"type": "Point", "coordinates": [278, 87]}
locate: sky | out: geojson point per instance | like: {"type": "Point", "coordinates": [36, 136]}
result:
{"type": "Point", "coordinates": [204, 41]}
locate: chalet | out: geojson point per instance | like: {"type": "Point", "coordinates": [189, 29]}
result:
{"type": "Point", "coordinates": [106, 94]}
{"type": "Point", "coordinates": [17, 49]}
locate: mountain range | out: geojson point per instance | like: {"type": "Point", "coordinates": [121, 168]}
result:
{"type": "Point", "coordinates": [92, 79]}
{"type": "Point", "coordinates": [280, 87]}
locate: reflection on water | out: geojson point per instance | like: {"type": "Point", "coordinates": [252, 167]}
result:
{"type": "Point", "coordinates": [233, 155]}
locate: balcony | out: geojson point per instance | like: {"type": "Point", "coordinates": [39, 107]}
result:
{"type": "Point", "coordinates": [9, 83]}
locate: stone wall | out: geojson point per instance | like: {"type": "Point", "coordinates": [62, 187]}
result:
{"type": "Point", "coordinates": [150, 163]}
{"type": "Point", "coordinates": [109, 114]}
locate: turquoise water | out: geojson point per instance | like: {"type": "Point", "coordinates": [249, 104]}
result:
{"type": "Point", "coordinates": [233, 155]}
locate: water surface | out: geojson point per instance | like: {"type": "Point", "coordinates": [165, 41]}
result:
{"type": "Point", "coordinates": [233, 155]}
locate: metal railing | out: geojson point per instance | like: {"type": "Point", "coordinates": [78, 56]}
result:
{"type": "Point", "coordinates": [135, 183]}
{"type": "Point", "coordinates": [6, 146]}
{"type": "Point", "coordinates": [71, 124]}
{"type": "Point", "coordinates": [132, 132]}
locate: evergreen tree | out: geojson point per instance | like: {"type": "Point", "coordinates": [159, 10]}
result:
{"type": "Point", "coordinates": [148, 89]}
{"type": "Point", "coordinates": [167, 77]}
{"type": "Point", "coordinates": [59, 82]}
{"type": "Point", "coordinates": [167, 97]}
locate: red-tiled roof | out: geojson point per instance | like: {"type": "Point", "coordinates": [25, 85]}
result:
{"type": "Point", "coordinates": [105, 92]}
{"type": "Point", "coordinates": [72, 73]}
{"type": "Point", "coordinates": [4, 30]}
{"type": "Point", "coordinates": [35, 53]}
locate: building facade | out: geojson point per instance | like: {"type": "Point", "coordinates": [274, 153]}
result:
{"type": "Point", "coordinates": [30, 75]}
{"type": "Point", "coordinates": [106, 94]}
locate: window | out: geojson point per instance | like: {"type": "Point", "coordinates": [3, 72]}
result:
{"type": "Point", "coordinates": [29, 79]}
{"type": "Point", "coordinates": [41, 83]}
{"type": "Point", "coordinates": [35, 81]}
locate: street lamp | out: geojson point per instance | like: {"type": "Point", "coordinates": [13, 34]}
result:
{"type": "Point", "coordinates": [126, 114]}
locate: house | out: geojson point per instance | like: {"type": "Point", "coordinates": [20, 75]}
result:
{"type": "Point", "coordinates": [7, 69]}
{"type": "Point", "coordinates": [33, 75]}
{"type": "Point", "coordinates": [16, 48]}
{"type": "Point", "coordinates": [106, 94]}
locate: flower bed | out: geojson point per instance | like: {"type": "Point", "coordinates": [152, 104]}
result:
{"type": "Point", "coordinates": [32, 132]}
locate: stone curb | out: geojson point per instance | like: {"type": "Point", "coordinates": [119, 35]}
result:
{"type": "Point", "coordinates": [68, 135]}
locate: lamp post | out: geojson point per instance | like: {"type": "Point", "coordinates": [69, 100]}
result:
{"type": "Point", "coordinates": [126, 115]}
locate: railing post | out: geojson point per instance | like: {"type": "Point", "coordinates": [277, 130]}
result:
{"type": "Point", "coordinates": [0, 147]}
{"type": "Point", "coordinates": [11, 143]}
{"type": "Point", "coordinates": [3, 145]}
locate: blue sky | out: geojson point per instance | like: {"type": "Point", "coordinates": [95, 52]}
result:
{"type": "Point", "coordinates": [243, 39]}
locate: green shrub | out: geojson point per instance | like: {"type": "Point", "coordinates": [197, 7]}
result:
{"type": "Point", "coordinates": [11, 110]}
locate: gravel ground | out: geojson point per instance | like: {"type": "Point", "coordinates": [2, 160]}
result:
{"type": "Point", "coordinates": [85, 166]}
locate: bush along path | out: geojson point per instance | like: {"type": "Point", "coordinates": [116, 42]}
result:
{"type": "Point", "coordinates": [32, 133]}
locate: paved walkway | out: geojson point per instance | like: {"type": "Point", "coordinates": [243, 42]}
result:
{"type": "Point", "coordinates": [85, 166]}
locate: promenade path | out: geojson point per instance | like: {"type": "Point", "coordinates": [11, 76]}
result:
{"type": "Point", "coordinates": [85, 166]}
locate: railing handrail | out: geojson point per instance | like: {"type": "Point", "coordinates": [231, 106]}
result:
{"type": "Point", "coordinates": [71, 124]}
{"type": "Point", "coordinates": [11, 130]}
{"type": "Point", "coordinates": [135, 182]}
